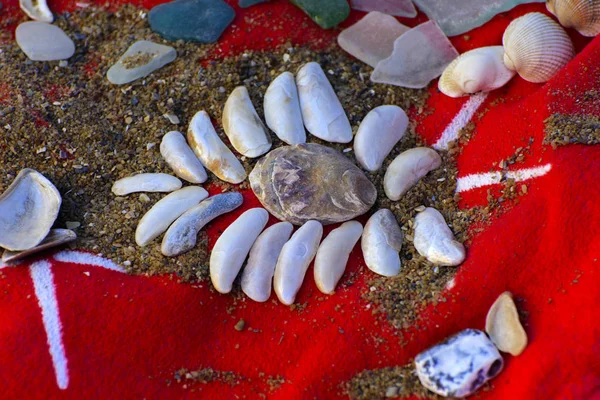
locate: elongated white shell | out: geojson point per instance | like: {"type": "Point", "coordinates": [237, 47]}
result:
{"type": "Point", "coordinates": [243, 126]}
{"type": "Point", "coordinates": [333, 254]}
{"type": "Point", "coordinates": [211, 150]}
{"type": "Point", "coordinates": [536, 47]}
{"type": "Point", "coordinates": [407, 169]}
{"type": "Point", "coordinates": [257, 276]}
{"type": "Point", "coordinates": [322, 111]}
{"type": "Point", "coordinates": [478, 70]}
{"type": "Point", "coordinates": [231, 249]}
{"type": "Point", "coordinates": [282, 109]}
{"type": "Point", "coordinates": [165, 211]}
{"type": "Point", "coordinates": [55, 238]}
{"type": "Point", "coordinates": [294, 260]}
{"type": "Point", "coordinates": [583, 15]}
{"type": "Point", "coordinates": [381, 243]}
{"type": "Point", "coordinates": [435, 241]}
{"type": "Point", "coordinates": [146, 183]}
{"type": "Point", "coordinates": [377, 135]}
{"type": "Point", "coordinates": [181, 158]}
{"type": "Point", "coordinates": [28, 209]}
{"type": "Point", "coordinates": [37, 10]}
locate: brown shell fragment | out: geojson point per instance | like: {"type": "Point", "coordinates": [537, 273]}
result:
{"type": "Point", "coordinates": [503, 325]}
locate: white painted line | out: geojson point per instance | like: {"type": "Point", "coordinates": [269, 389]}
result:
{"type": "Point", "coordinates": [83, 258]}
{"type": "Point", "coordinates": [461, 119]}
{"type": "Point", "coordinates": [474, 181]}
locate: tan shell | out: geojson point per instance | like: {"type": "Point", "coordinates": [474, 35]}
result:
{"type": "Point", "coordinates": [583, 15]}
{"type": "Point", "coordinates": [536, 47]}
{"type": "Point", "coordinates": [503, 325]}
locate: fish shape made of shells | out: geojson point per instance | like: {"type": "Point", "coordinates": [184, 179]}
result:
{"type": "Point", "coordinates": [311, 182]}
{"type": "Point", "coordinates": [583, 15]}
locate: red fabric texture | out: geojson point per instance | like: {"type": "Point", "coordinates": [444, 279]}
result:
{"type": "Point", "coordinates": [125, 336]}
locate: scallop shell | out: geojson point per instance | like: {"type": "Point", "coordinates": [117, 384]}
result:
{"type": "Point", "coordinates": [37, 10]}
{"type": "Point", "coordinates": [583, 15]}
{"type": "Point", "coordinates": [536, 47]}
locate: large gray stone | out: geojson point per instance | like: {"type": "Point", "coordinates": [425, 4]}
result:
{"type": "Point", "coordinates": [41, 41]}
{"type": "Point", "coordinates": [140, 60]}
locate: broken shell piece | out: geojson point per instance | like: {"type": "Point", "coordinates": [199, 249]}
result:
{"type": "Point", "coordinates": [232, 247]}
{"type": "Point", "coordinates": [381, 243]}
{"type": "Point", "coordinates": [282, 109]}
{"type": "Point", "coordinates": [294, 260]}
{"type": "Point", "coordinates": [28, 209]}
{"type": "Point", "coordinates": [181, 158]}
{"type": "Point", "coordinates": [407, 169]}
{"type": "Point", "coordinates": [377, 135]}
{"type": "Point", "coordinates": [583, 15]}
{"type": "Point", "coordinates": [37, 10]}
{"type": "Point", "coordinates": [243, 126]}
{"type": "Point", "coordinates": [182, 235]}
{"type": "Point", "coordinates": [257, 277]}
{"type": "Point", "coordinates": [460, 365]}
{"type": "Point", "coordinates": [146, 183]}
{"type": "Point", "coordinates": [211, 150]}
{"type": "Point", "coordinates": [435, 241]}
{"type": "Point", "coordinates": [55, 238]}
{"type": "Point", "coordinates": [503, 325]}
{"type": "Point", "coordinates": [322, 111]}
{"type": "Point", "coordinates": [333, 254]}
{"type": "Point", "coordinates": [478, 70]}
{"type": "Point", "coordinates": [165, 211]}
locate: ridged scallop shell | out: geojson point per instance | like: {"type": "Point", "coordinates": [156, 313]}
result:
{"type": "Point", "coordinates": [583, 15]}
{"type": "Point", "coordinates": [478, 70]}
{"type": "Point", "coordinates": [536, 47]}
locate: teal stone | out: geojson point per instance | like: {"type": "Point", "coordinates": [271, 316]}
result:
{"type": "Point", "coordinates": [326, 13]}
{"type": "Point", "coordinates": [195, 20]}
{"type": "Point", "coordinates": [248, 3]}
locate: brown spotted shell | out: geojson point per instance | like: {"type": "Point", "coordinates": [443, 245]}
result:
{"type": "Point", "coordinates": [583, 15]}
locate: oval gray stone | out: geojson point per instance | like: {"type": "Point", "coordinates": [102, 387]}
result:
{"type": "Point", "coordinates": [41, 41]}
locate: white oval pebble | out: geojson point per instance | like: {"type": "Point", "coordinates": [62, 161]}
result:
{"type": "Point", "coordinates": [435, 241]}
{"type": "Point", "coordinates": [381, 243]}
{"type": "Point", "coordinates": [41, 41]}
{"type": "Point", "coordinates": [146, 183]}
{"type": "Point", "coordinates": [181, 158]}
{"type": "Point", "coordinates": [407, 169]}
{"type": "Point", "coordinates": [282, 109]}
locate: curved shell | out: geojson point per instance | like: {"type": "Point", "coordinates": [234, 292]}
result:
{"type": "Point", "coordinates": [282, 109]}
{"type": "Point", "coordinates": [381, 243]}
{"type": "Point", "coordinates": [37, 10]}
{"type": "Point", "coordinates": [181, 158]}
{"type": "Point", "coordinates": [435, 241]}
{"type": "Point", "coordinates": [536, 47]}
{"type": "Point", "coordinates": [149, 182]}
{"type": "Point", "coordinates": [28, 209]}
{"type": "Point", "coordinates": [583, 15]}
{"type": "Point", "coordinates": [407, 169]}
{"type": "Point", "coordinates": [478, 70]}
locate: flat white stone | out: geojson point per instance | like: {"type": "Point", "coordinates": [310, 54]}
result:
{"type": "Point", "coordinates": [407, 169]}
{"type": "Point", "coordinates": [157, 56]}
{"type": "Point", "coordinates": [146, 183]}
{"type": "Point", "coordinates": [181, 158]}
{"type": "Point", "coordinates": [282, 109]}
{"type": "Point", "coordinates": [41, 41]}
{"type": "Point", "coordinates": [435, 241]}
{"type": "Point", "coordinates": [381, 243]}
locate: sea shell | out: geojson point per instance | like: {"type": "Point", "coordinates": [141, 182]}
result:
{"type": "Point", "coordinates": [583, 15]}
{"type": "Point", "coordinates": [55, 238]}
{"type": "Point", "coordinates": [478, 70]}
{"type": "Point", "coordinates": [211, 150]}
{"type": "Point", "coordinates": [381, 243]}
{"type": "Point", "coordinates": [28, 209]}
{"type": "Point", "coordinates": [146, 183]}
{"type": "Point", "coordinates": [377, 135]}
{"type": "Point", "coordinates": [407, 169]}
{"type": "Point", "coordinates": [232, 247]}
{"type": "Point", "coordinates": [435, 241]}
{"type": "Point", "coordinates": [243, 126]}
{"type": "Point", "coordinates": [503, 326]}
{"type": "Point", "coordinates": [322, 111]}
{"type": "Point", "coordinates": [282, 109]}
{"type": "Point", "coordinates": [37, 10]}
{"type": "Point", "coordinates": [333, 254]}
{"type": "Point", "coordinates": [536, 47]}
{"type": "Point", "coordinates": [181, 158]}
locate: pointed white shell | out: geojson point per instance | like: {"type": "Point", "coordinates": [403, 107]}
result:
{"type": "Point", "coordinates": [181, 158]}
{"type": "Point", "coordinates": [37, 10]}
{"type": "Point", "coordinates": [55, 238]}
{"type": "Point", "coordinates": [435, 241]}
{"type": "Point", "coordinates": [583, 15]}
{"type": "Point", "coordinates": [257, 277]}
{"type": "Point", "coordinates": [381, 243]}
{"type": "Point", "coordinates": [211, 150]}
{"type": "Point", "coordinates": [407, 169]}
{"type": "Point", "coordinates": [333, 254]}
{"type": "Point", "coordinates": [536, 47]}
{"type": "Point", "coordinates": [294, 260]}
{"type": "Point", "coordinates": [282, 109]}
{"type": "Point", "coordinates": [165, 211]}
{"type": "Point", "coordinates": [478, 70]}
{"type": "Point", "coordinates": [28, 209]}
{"type": "Point", "coordinates": [146, 183]}
{"type": "Point", "coordinates": [232, 247]}
{"type": "Point", "coordinates": [377, 135]}
{"type": "Point", "coordinates": [322, 111]}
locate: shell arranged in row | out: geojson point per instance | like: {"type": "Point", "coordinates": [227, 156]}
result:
{"type": "Point", "coordinates": [435, 241]}
{"type": "Point", "coordinates": [181, 158]}
{"type": "Point", "coordinates": [37, 10]}
{"type": "Point", "coordinates": [381, 243]}
{"type": "Point", "coordinates": [282, 109]}
{"type": "Point", "coordinates": [407, 169]}
{"type": "Point", "coordinates": [583, 15]}
{"type": "Point", "coordinates": [152, 182]}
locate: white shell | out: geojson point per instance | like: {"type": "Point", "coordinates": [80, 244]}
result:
{"type": "Point", "coordinates": [381, 243]}
{"type": "Point", "coordinates": [232, 247]}
{"type": "Point", "coordinates": [211, 150]}
{"type": "Point", "coordinates": [478, 70]}
{"type": "Point", "coordinates": [536, 47]}
{"type": "Point", "coordinates": [243, 126]}
{"type": "Point", "coordinates": [257, 276]}
{"type": "Point", "coordinates": [55, 238]}
{"type": "Point", "coordinates": [28, 209]}
{"type": "Point", "coordinates": [377, 135]}
{"type": "Point", "coordinates": [435, 241]}
{"type": "Point", "coordinates": [322, 111]}
{"type": "Point", "coordinates": [333, 254]}
{"type": "Point", "coordinates": [503, 326]}
{"type": "Point", "coordinates": [37, 10]}
{"type": "Point", "coordinates": [165, 211]}
{"type": "Point", "coordinates": [294, 260]}
{"type": "Point", "coordinates": [407, 169]}
{"type": "Point", "coordinates": [583, 15]}
{"type": "Point", "coordinates": [282, 109]}
{"type": "Point", "coordinates": [181, 158]}
{"type": "Point", "coordinates": [146, 183]}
